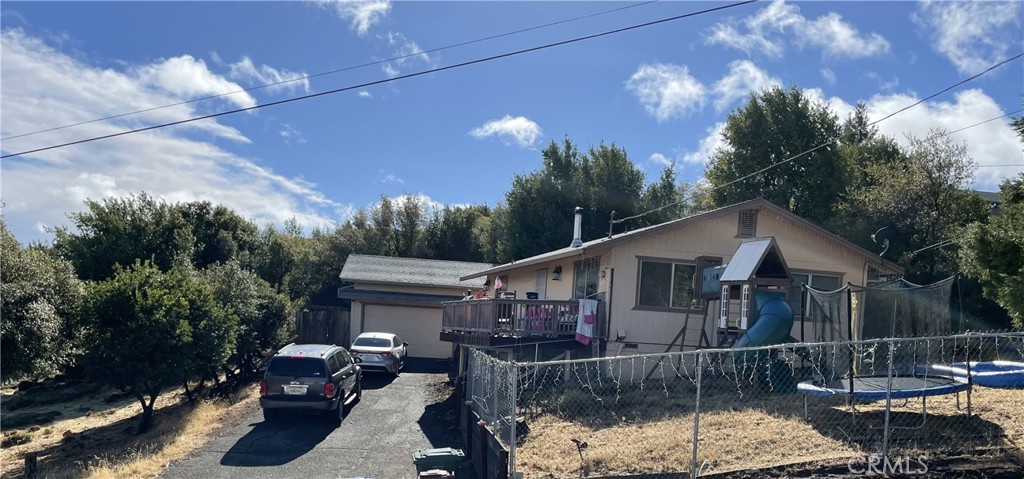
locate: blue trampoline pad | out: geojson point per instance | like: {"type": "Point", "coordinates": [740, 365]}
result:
{"type": "Point", "coordinates": [872, 388]}
{"type": "Point", "coordinates": [990, 374]}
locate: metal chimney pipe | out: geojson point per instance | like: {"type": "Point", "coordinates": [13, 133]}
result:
{"type": "Point", "coordinates": [576, 227]}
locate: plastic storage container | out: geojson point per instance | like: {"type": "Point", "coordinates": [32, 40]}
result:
{"type": "Point", "coordinates": [446, 458]}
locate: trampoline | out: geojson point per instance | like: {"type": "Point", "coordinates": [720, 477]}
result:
{"type": "Point", "coordinates": [872, 388]}
{"type": "Point", "coordinates": [990, 374]}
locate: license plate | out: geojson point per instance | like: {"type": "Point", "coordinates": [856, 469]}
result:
{"type": "Point", "coordinates": [295, 390]}
{"type": "Point", "coordinates": [371, 357]}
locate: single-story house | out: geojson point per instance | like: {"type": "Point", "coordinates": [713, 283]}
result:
{"type": "Point", "coordinates": [645, 280]}
{"type": "Point", "coordinates": [403, 296]}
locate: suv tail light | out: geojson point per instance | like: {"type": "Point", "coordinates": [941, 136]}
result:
{"type": "Point", "coordinates": [263, 387]}
{"type": "Point", "coordinates": [328, 389]}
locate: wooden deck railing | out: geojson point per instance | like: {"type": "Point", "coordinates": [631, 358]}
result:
{"type": "Point", "coordinates": [516, 317]}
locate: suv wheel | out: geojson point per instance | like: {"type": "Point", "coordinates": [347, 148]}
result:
{"type": "Point", "coordinates": [335, 417]}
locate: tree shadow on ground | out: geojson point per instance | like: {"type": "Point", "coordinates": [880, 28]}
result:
{"type": "Point", "coordinates": [273, 443]}
{"type": "Point", "coordinates": [114, 442]}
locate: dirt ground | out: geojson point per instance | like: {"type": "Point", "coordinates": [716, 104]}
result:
{"type": "Point", "coordinates": [83, 430]}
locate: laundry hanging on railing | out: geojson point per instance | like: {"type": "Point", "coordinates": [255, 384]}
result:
{"type": "Point", "coordinates": [587, 319]}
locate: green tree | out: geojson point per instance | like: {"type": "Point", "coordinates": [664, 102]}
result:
{"type": "Point", "coordinates": [220, 234]}
{"type": "Point", "coordinates": [40, 297]}
{"type": "Point", "coordinates": [118, 231]}
{"type": "Point", "coordinates": [774, 126]}
{"type": "Point", "coordinates": [454, 233]}
{"type": "Point", "coordinates": [410, 222]}
{"type": "Point", "coordinates": [993, 253]}
{"type": "Point", "coordinates": [926, 200]}
{"type": "Point", "coordinates": [539, 206]}
{"type": "Point", "coordinates": [262, 314]}
{"type": "Point", "coordinates": [148, 330]}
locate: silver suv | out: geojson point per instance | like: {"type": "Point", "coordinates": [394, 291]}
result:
{"type": "Point", "coordinates": [311, 377]}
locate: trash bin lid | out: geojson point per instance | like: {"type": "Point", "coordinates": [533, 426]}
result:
{"type": "Point", "coordinates": [443, 452]}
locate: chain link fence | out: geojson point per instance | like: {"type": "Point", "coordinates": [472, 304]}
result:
{"type": "Point", "coordinates": [901, 404]}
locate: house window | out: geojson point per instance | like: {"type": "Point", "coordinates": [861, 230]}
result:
{"type": "Point", "coordinates": [584, 283]}
{"type": "Point", "coordinates": [747, 224]}
{"type": "Point", "coordinates": [666, 284]}
{"type": "Point", "coordinates": [822, 281]}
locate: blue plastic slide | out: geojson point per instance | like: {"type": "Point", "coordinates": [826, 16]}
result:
{"type": "Point", "coordinates": [774, 321]}
{"type": "Point", "coordinates": [772, 326]}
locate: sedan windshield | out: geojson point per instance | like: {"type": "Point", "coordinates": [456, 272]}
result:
{"type": "Point", "coordinates": [373, 342]}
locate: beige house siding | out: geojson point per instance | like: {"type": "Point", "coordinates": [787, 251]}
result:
{"type": "Point", "coordinates": [804, 249]}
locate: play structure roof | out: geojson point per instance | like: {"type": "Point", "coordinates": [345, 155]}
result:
{"type": "Point", "coordinates": [756, 259]}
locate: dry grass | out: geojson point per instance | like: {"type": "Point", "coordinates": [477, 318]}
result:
{"type": "Point", "coordinates": [752, 432]}
{"type": "Point", "coordinates": [94, 438]}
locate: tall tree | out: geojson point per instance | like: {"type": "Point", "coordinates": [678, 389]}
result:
{"type": "Point", "coordinates": [409, 224]}
{"type": "Point", "coordinates": [453, 233]}
{"type": "Point", "coordinates": [926, 200]}
{"type": "Point", "coordinates": [40, 296]}
{"type": "Point", "coordinates": [774, 126]}
{"type": "Point", "coordinates": [149, 330]}
{"type": "Point", "coordinates": [993, 253]}
{"type": "Point", "coordinates": [121, 230]}
{"type": "Point", "coordinates": [540, 205]}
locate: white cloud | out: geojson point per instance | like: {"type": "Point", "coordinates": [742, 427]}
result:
{"type": "Point", "coordinates": [290, 134]}
{"type": "Point", "coordinates": [763, 32]}
{"type": "Point", "coordinates": [707, 146]}
{"type": "Point", "coordinates": [187, 77]}
{"type": "Point", "coordinates": [361, 14]}
{"type": "Point", "coordinates": [388, 178]}
{"type": "Point", "coordinates": [365, 94]}
{"type": "Point", "coordinates": [666, 91]}
{"type": "Point", "coordinates": [406, 52]}
{"type": "Point", "coordinates": [973, 35]}
{"type": "Point", "coordinates": [44, 88]}
{"type": "Point", "coordinates": [521, 130]}
{"type": "Point", "coordinates": [279, 80]}
{"type": "Point", "coordinates": [840, 39]}
{"type": "Point", "coordinates": [993, 143]}
{"type": "Point", "coordinates": [743, 78]}
{"type": "Point", "coordinates": [828, 75]}
{"type": "Point", "coordinates": [660, 159]}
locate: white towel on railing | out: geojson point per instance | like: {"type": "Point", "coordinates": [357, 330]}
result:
{"type": "Point", "coordinates": [586, 321]}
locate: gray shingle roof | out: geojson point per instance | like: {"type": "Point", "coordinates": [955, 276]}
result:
{"type": "Point", "coordinates": [361, 268]}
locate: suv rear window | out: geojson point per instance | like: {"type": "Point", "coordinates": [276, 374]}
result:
{"type": "Point", "coordinates": [297, 367]}
{"type": "Point", "coordinates": [373, 342]}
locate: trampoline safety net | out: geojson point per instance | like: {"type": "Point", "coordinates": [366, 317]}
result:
{"type": "Point", "coordinates": [898, 309]}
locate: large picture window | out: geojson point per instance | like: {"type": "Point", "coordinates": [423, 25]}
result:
{"type": "Point", "coordinates": [666, 284]}
{"type": "Point", "coordinates": [584, 278]}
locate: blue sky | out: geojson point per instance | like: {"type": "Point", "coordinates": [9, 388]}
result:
{"type": "Point", "coordinates": [457, 136]}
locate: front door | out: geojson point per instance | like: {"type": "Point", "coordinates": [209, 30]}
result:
{"type": "Point", "coordinates": [542, 284]}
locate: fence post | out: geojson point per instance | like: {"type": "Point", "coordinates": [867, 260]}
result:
{"type": "Point", "coordinates": [514, 376]}
{"type": "Point", "coordinates": [696, 417]}
{"type": "Point", "coordinates": [888, 402]}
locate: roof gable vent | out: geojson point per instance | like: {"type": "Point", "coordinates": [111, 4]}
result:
{"type": "Point", "coordinates": [747, 227]}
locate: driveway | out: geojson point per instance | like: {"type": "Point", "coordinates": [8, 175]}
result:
{"type": "Point", "coordinates": [395, 418]}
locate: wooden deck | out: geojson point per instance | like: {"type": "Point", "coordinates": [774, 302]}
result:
{"type": "Point", "coordinates": [497, 322]}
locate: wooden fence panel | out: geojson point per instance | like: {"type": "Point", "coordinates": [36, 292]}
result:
{"type": "Point", "coordinates": [323, 325]}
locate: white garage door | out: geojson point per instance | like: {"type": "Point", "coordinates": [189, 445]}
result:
{"type": "Point", "coordinates": [420, 327]}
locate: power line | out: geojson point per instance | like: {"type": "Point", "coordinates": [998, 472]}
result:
{"type": "Point", "coordinates": [400, 77]}
{"type": "Point", "coordinates": [798, 155]}
{"type": "Point", "coordinates": [339, 70]}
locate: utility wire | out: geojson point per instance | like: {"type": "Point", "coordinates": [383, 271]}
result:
{"type": "Point", "coordinates": [798, 155]}
{"type": "Point", "coordinates": [339, 70]}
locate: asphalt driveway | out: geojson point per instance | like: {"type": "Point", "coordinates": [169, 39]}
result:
{"type": "Point", "coordinates": [395, 418]}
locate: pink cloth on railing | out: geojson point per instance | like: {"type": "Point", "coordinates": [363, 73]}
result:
{"type": "Point", "coordinates": [586, 320]}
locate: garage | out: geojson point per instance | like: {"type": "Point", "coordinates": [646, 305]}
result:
{"type": "Point", "coordinates": [418, 326]}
